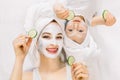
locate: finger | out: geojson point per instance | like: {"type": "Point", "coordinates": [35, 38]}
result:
{"type": "Point", "coordinates": [77, 67]}
{"type": "Point", "coordinates": [66, 14]}
{"type": "Point", "coordinates": [109, 16]}
{"type": "Point", "coordinates": [29, 42]}
{"type": "Point", "coordinates": [61, 12]}
{"type": "Point", "coordinates": [81, 76]}
{"type": "Point", "coordinates": [81, 71]}
{"type": "Point", "coordinates": [24, 38]}
{"type": "Point", "coordinates": [22, 35]}
{"type": "Point", "coordinates": [20, 40]}
{"type": "Point", "coordinates": [73, 66]}
{"type": "Point", "coordinates": [80, 66]}
{"type": "Point", "coordinates": [25, 43]}
{"type": "Point", "coordinates": [20, 43]}
{"type": "Point", "coordinates": [109, 22]}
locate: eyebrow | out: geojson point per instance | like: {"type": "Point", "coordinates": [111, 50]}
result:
{"type": "Point", "coordinates": [50, 33]}
{"type": "Point", "coordinates": [59, 34]}
{"type": "Point", "coordinates": [46, 33]}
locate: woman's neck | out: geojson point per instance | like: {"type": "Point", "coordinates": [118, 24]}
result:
{"type": "Point", "coordinates": [50, 65]}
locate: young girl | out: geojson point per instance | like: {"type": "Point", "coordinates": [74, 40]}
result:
{"type": "Point", "coordinates": [78, 41]}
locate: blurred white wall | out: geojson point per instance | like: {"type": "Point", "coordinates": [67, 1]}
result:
{"type": "Point", "coordinates": [12, 17]}
{"type": "Point", "coordinates": [108, 39]}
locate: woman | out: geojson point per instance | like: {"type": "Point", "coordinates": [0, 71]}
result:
{"type": "Point", "coordinates": [49, 45]}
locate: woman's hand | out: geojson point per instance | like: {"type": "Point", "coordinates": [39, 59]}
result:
{"type": "Point", "coordinates": [21, 46]}
{"type": "Point", "coordinates": [109, 19]}
{"type": "Point", "coordinates": [79, 72]}
{"type": "Point", "coordinates": [60, 11]}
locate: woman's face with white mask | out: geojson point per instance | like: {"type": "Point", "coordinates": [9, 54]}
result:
{"type": "Point", "coordinates": [76, 29]}
{"type": "Point", "coordinates": [51, 40]}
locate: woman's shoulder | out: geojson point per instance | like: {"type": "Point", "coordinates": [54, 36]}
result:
{"type": "Point", "coordinates": [27, 75]}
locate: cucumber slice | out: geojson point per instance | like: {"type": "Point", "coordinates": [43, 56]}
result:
{"type": "Point", "coordinates": [71, 15]}
{"type": "Point", "coordinates": [32, 33]}
{"type": "Point", "coordinates": [71, 60]}
{"type": "Point", "coordinates": [104, 13]}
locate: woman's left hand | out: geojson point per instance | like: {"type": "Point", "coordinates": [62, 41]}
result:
{"type": "Point", "coordinates": [79, 72]}
{"type": "Point", "coordinates": [60, 11]}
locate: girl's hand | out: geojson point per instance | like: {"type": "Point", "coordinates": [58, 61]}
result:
{"type": "Point", "coordinates": [60, 11]}
{"type": "Point", "coordinates": [79, 72]}
{"type": "Point", "coordinates": [109, 19]}
{"type": "Point", "coordinates": [21, 46]}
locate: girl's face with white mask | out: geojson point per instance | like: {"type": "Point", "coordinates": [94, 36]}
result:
{"type": "Point", "coordinates": [51, 40]}
{"type": "Point", "coordinates": [76, 29]}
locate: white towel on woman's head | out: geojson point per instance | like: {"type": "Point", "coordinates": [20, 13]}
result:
{"type": "Point", "coordinates": [38, 16]}
{"type": "Point", "coordinates": [36, 11]}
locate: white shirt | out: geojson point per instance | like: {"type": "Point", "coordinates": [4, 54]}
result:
{"type": "Point", "coordinates": [36, 74]}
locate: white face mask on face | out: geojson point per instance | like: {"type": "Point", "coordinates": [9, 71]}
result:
{"type": "Point", "coordinates": [76, 31]}
{"type": "Point", "coordinates": [51, 40]}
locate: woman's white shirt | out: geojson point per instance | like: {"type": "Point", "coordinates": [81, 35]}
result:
{"type": "Point", "coordinates": [36, 73]}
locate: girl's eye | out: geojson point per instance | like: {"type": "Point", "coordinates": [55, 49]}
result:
{"type": "Point", "coordinates": [59, 37]}
{"type": "Point", "coordinates": [70, 30]}
{"type": "Point", "coordinates": [80, 30]}
{"type": "Point", "coordinates": [46, 37]}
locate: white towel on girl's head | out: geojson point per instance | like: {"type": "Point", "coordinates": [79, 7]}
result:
{"type": "Point", "coordinates": [81, 52]}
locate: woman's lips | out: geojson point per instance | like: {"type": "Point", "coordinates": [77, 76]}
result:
{"type": "Point", "coordinates": [52, 50]}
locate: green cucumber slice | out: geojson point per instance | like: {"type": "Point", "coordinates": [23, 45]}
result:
{"type": "Point", "coordinates": [32, 33]}
{"type": "Point", "coordinates": [104, 13]}
{"type": "Point", "coordinates": [71, 60]}
{"type": "Point", "coordinates": [71, 15]}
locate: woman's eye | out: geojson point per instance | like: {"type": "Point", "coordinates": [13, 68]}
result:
{"type": "Point", "coordinates": [70, 30]}
{"type": "Point", "coordinates": [46, 37]}
{"type": "Point", "coordinates": [80, 30]}
{"type": "Point", "coordinates": [59, 37]}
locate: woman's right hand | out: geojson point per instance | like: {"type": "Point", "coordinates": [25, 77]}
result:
{"type": "Point", "coordinates": [21, 46]}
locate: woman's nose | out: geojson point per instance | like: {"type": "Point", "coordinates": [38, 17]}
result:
{"type": "Point", "coordinates": [54, 42]}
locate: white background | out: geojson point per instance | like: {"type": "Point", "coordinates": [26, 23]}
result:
{"type": "Point", "coordinates": [12, 16]}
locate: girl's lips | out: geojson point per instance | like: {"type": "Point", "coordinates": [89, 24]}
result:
{"type": "Point", "coordinates": [52, 50]}
{"type": "Point", "coordinates": [76, 21]}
